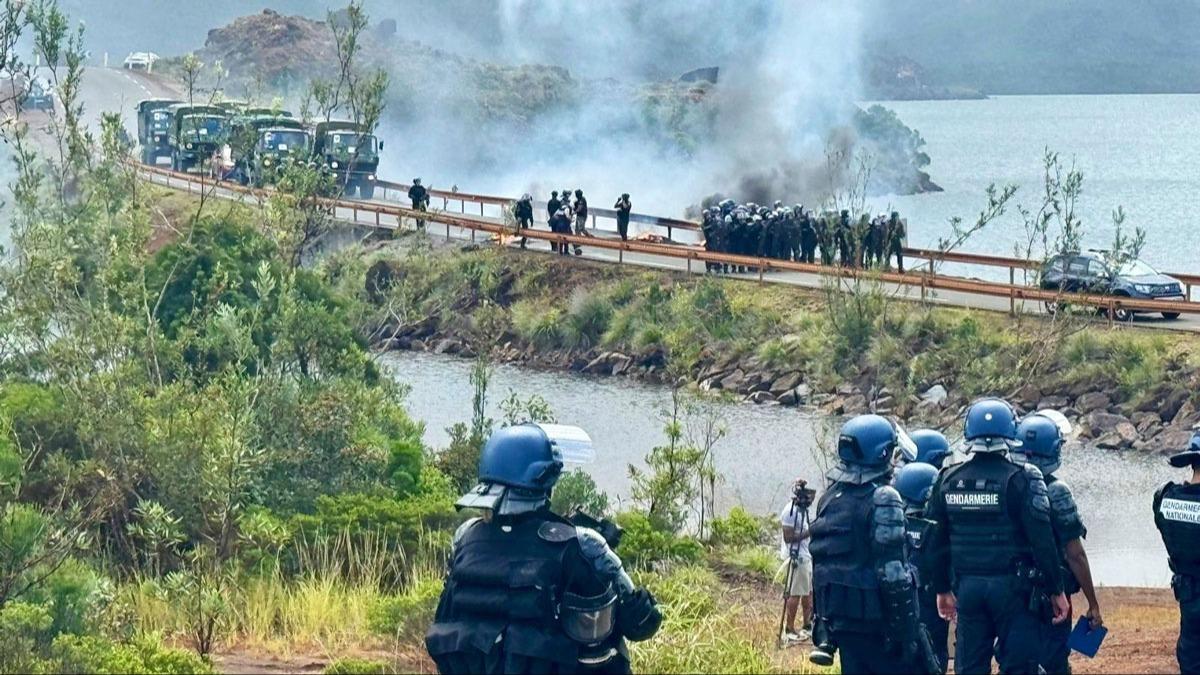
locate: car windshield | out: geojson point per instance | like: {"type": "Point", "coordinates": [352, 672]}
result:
{"type": "Point", "coordinates": [208, 126]}
{"type": "Point", "coordinates": [1136, 268]}
{"type": "Point", "coordinates": [160, 119]}
{"type": "Point", "coordinates": [352, 142]}
{"type": "Point", "coordinates": [284, 141]}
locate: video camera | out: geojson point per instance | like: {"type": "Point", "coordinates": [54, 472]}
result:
{"type": "Point", "coordinates": [802, 495]}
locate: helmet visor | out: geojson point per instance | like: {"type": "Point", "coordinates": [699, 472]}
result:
{"type": "Point", "coordinates": [1060, 420]}
{"type": "Point", "coordinates": [905, 445]}
{"type": "Point", "coordinates": [572, 444]}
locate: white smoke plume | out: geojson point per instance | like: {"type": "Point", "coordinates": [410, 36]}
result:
{"type": "Point", "coordinates": [789, 75]}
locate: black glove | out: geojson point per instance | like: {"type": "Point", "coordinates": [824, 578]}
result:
{"type": "Point", "coordinates": [638, 617]}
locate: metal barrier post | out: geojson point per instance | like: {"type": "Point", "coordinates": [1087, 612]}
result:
{"type": "Point", "coordinates": [760, 271]}
{"type": "Point", "coordinates": [1189, 292]}
{"type": "Point", "coordinates": [1012, 301]}
{"type": "Point", "coordinates": [689, 264]}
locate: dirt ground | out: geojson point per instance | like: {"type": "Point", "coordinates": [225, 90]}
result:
{"type": "Point", "coordinates": [1143, 624]}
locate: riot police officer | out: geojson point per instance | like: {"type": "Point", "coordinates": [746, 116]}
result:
{"type": "Point", "coordinates": [523, 212]}
{"type": "Point", "coordinates": [994, 539]}
{"type": "Point", "coordinates": [808, 235]}
{"type": "Point", "coordinates": [1041, 445]}
{"type": "Point", "coordinates": [896, 233]}
{"type": "Point", "coordinates": [914, 482]}
{"type": "Point", "coordinates": [932, 447]}
{"type": "Point", "coordinates": [528, 591]}
{"type": "Point", "coordinates": [419, 197]}
{"type": "Point", "coordinates": [864, 593]}
{"type": "Point", "coordinates": [1177, 517]}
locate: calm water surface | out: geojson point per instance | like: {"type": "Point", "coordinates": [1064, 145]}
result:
{"type": "Point", "coordinates": [767, 446]}
{"type": "Point", "coordinates": [1137, 151]}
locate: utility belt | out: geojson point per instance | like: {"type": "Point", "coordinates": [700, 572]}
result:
{"type": "Point", "coordinates": [1186, 588]}
{"type": "Point", "coordinates": [1032, 582]}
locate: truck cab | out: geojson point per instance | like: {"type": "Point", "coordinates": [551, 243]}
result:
{"type": "Point", "coordinates": [263, 144]}
{"type": "Point", "coordinates": [350, 154]}
{"type": "Point", "coordinates": [154, 128]}
{"type": "Point", "coordinates": [196, 133]}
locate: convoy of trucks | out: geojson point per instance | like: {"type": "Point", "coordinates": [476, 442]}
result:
{"type": "Point", "coordinates": [253, 144]}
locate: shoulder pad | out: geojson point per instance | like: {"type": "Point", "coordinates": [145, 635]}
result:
{"type": "Point", "coordinates": [1059, 490]}
{"type": "Point", "coordinates": [556, 533]}
{"type": "Point", "coordinates": [462, 530]}
{"type": "Point", "coordinates": [886, 495]}
{"type": "Point", "coordinates": [1032, 472]}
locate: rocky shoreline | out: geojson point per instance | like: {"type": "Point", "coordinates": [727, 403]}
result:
{"type": "Point", "coordinates": [1158, 423]}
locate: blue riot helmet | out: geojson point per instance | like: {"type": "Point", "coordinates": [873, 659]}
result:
{"type": "Point", "coordinates": [932, 447]}
{"type": "Point", "coordinates": [1190, 456]}
{"type": "Point", "coordinates": [914, 482]}
{"type": "Point", "coordinates": [865, 447]}
{"type": "Point", "coordinates": [991, 426]}
{"type": "Point", "coordinates": [517, 469]}
{"type": "Point", "coordinates": [1041, 442]}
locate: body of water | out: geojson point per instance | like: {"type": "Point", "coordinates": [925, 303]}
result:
{"type": "Point", "coordinates": [1136, 151]}
{"type": "Point", "coordinates": [768, 446]}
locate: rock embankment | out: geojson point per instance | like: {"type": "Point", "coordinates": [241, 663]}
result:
{"type": "Point", "coordinates": [1158, 422]}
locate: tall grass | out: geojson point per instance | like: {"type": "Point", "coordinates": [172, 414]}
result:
{"type": "Point", "coordinates": [698, 634]}
{"type": "Point", "coordinates": [329, 604]}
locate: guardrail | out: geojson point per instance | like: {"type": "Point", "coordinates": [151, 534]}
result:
{"type": "Point", "coordinates": [924, 282]}
{"type": "Point", "coordinates": [671, 224]}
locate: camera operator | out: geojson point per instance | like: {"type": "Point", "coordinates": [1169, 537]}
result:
{"type": "Point", "coordinates": [794, 551]}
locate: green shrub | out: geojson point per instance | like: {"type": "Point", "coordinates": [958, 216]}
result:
{"type": "Point", "coordinates": [24, 629]}
{"type": "Point", "coordinates": [74, 594]}
{"type": "Point", "coordinates": [738, 528]}
{"type": "Point", "coordinates": [538, 324]}
{"type": "Point", "coordinates": [576, 490]}
{"type": "Point", "coordinates": [760, 561]}
{"type": "Point", "coordinates": [405, 616]}
{"type": "Point", "coordinates": [378, 515]}
{"type": "Point", "coordinates": [91, 654]}
{"type": "Point", "coordinates": [587, 319]}
{"type": "Point", "coordinates": [352, 666]}
{"type": "Point", "coordinates": [643, 543]}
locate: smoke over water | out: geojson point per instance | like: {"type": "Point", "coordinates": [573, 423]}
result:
{"type": "Point", "coordinates": [789, 75]}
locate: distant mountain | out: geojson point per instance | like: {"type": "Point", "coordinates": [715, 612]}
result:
{"type": "Point", "coordinates": [1045, 46]}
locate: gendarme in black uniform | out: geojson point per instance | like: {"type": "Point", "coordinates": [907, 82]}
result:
{"type": "Point", "coordinates": [1177, 517]}
{"type": "Point", "coordinates": [863, 590]}
{"type": "Point", "coordinates": [527, 590]}
{"type": "Point", "coordinates": [994, 540]}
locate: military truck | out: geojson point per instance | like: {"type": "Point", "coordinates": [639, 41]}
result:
{"type": "Point", "coordinates": [154, 128]}
{"type": "Point", "coordinates": [196, 133]}
{"type": "Point", "coordinates": [262, 144]}
{"type": "Point", "coordinates": [351, 155]}
{"type": "Point", "coordinates": [232, 106]}
{"type": "Point", "coordinates": [273, 112]}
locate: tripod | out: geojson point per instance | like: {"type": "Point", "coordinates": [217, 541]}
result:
{"type": "Point", "coordinates": [792, 563]}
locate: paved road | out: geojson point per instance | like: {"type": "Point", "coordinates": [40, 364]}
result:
{"type": "Point", "coordinates": [951, 298]}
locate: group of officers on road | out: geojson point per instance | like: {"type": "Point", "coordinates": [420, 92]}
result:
{"type": "Point", "coordinates": [795, 233]}
{"type": "Point", "coordinates": [900, 545]}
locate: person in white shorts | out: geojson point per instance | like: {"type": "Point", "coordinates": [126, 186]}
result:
{"type": "Point", "coordinates": [793, 548]}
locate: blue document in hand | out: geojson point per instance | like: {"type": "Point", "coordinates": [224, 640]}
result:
{"type": "Point", "coordinates": [1085, 640]}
